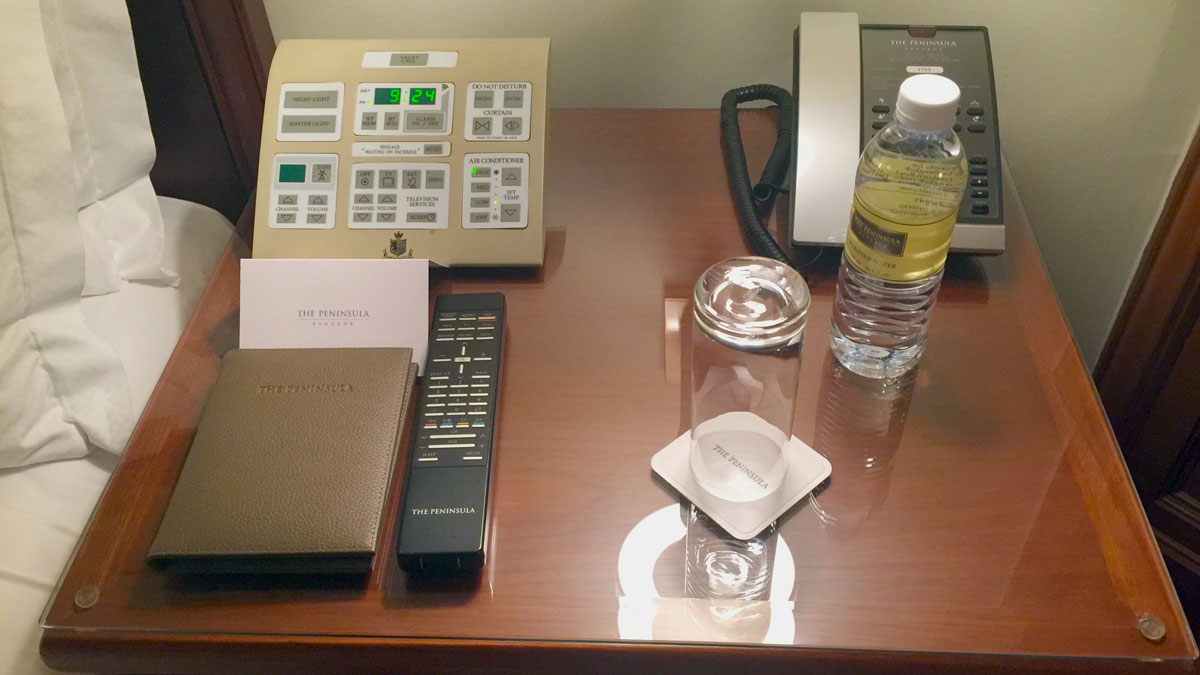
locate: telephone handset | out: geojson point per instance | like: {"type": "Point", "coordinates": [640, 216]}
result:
{"type": "Point", "coordinates": [404, 148]}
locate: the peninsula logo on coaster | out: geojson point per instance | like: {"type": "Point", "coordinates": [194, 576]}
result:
{"type": "Point", "coordinates": [740, 466]}
{"type": "Point", "coordinates": [333, 317]}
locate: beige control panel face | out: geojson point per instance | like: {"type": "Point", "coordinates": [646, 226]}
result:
{"type": "Point", "coordinates": [404, 148]}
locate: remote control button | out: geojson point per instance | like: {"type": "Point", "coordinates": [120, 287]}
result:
{"type": "Point", "coordinates": [979, 194]}
{"type": "Point", "coordinates": [979, 182]}
{"type": "Point", "coordinates": [978, 170]}
{"type": "Point", "coordinates": [880, 109]}
{"type": "Point", "coordinates": [976, 128]}
{"type": "Point", "coordinates": [979, 209]}
{"type": "Point", "coordinates": [975, 111]}
{"type": "Point", "coordinates": [878, 125]}
{"type": "Point", "coordinates": [978, 159]}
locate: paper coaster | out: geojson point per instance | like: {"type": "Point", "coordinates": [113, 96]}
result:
{"type": "Point", "coordinates": [806, 468]}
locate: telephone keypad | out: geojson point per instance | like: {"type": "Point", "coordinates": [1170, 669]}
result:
{"type": "Point", "coordinates": [412, 193]}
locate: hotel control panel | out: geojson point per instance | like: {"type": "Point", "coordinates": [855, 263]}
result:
{"type": "Point", "coordinates": [404, 148]}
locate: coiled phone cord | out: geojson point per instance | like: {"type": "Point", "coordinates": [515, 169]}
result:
{"type": "Point", "coordinates": [753, 203]}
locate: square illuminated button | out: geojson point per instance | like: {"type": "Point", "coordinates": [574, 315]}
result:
{"type": "Point", "coordinates": [291, 173]}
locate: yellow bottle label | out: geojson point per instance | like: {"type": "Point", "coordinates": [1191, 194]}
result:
{"type": "Point", "coordinates": [890, 248]}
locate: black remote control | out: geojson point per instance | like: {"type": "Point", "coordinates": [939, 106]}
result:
{"type": "Point", "coordinates": [444, 521]}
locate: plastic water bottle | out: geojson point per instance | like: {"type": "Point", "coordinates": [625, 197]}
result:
{"type": "Point", "coordinates": [910, 181]}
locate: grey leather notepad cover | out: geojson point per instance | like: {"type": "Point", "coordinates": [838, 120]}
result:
{"type": "Point", "coordinates": [291, 463]}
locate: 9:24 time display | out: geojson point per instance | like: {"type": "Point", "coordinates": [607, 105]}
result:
{"type": "Point", "coordinates": [395, 96]}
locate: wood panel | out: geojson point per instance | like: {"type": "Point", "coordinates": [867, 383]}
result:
{"type": "Point", "coordinates": [1149, 375]}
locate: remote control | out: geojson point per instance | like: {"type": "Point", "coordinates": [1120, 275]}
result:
{"type": "Point", "coordinates": [444, 521]}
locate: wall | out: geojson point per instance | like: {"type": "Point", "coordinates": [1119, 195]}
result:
{"type": "Point", "coordinates": [1098, 100]}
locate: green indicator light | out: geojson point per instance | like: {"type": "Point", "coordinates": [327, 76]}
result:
{"type": "Point", "coordinates": [474, 171]}
{"type": "Point", "coordinates": [291, 173]}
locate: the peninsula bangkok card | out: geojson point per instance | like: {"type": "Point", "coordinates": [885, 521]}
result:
{"type": "Point", "coordinates": [335, 303]}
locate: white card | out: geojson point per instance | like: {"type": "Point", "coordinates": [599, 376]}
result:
{"type": "Point", "coordinates": [290, 304]}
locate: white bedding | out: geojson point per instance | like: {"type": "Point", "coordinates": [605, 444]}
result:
{"type": "Point", "coordinates": [44, 507]}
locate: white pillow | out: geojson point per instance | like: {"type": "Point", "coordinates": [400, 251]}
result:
{"type": "Point", "coordinates": [60, 385]}
{"type": "Point", "coordinates": [90, 43]}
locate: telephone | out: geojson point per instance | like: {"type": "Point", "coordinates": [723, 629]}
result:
{"type": "Point", "coordinates": [404, 148]}
{"type": "Point", "coordinates": [840, 67]}
{"type": "Point", "coordinates": [845, 81]}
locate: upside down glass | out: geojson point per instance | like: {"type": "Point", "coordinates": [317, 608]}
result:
{"type": "Point", "coordinates": [749, 316]}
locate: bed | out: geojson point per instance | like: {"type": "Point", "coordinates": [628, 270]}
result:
{"type": "Point", "coordinates": [202, 68]}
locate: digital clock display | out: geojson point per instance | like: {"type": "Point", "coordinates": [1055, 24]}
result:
{"type": "Point", "coordinates": [397, 95]}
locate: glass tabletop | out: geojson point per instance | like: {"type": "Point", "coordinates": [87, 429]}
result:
{"type": "Point", "coordinates": [976, 505]}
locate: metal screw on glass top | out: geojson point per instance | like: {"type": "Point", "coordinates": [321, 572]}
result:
{"type": "Point", "coordinates": [87, 596]}
{"type": "Point", "coordinates": [1151, 627]}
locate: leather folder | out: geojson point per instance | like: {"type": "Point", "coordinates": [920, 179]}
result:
{"type": "Point", "coordinates": [291, 464]}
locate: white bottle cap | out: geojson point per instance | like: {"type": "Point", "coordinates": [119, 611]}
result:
{"type": "Point", "coordinates": [927, 102]}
